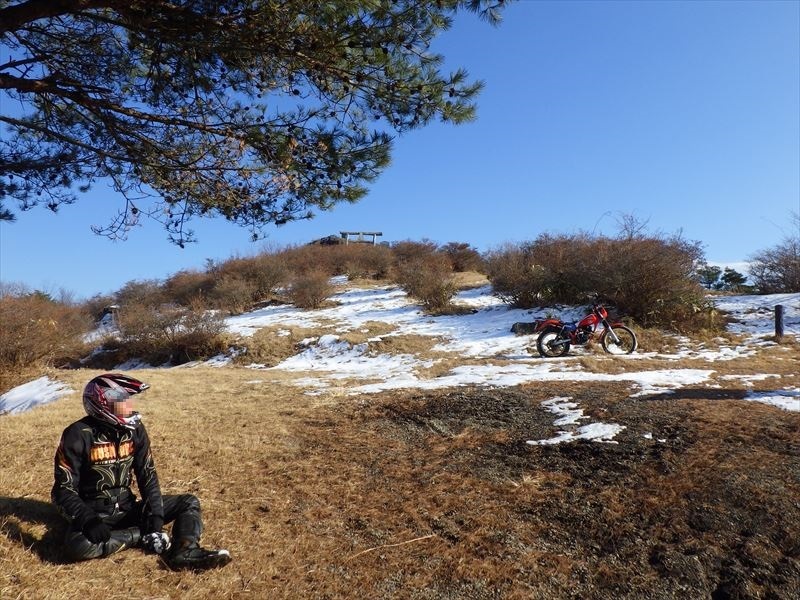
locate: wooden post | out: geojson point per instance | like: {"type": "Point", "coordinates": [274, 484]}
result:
{"type": "Point", "coordinates": [779, 321]}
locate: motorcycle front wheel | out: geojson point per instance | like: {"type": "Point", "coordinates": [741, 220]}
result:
{"type": "Point", "coordinates": [550, 344]}
{"type": "Point", "coordinates": [626, 344]}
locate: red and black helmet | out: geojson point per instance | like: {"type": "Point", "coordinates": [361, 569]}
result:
{"type": "Point", "coordinates": [104, 389]}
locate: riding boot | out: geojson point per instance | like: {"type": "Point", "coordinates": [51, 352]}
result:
{"type": "Point", "coordinates": [187, 554]}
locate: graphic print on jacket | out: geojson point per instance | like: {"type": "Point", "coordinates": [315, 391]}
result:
{"type": "Point", "coordinates": [94, 466]}
{"type": "Point", "coordinates": [103, 452]}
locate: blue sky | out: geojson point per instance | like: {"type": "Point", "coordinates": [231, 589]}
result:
{"type": "Point", "coordinates": [684, 114]}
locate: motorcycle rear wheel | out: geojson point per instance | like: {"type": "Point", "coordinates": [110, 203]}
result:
{"type": "Point", "coordinates": [627, 340]}
{"type": "Point", "coordinates": [544, 341]}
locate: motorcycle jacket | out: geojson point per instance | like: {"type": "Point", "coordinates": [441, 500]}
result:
{"type": "Point", "coordinates": [94, 465]}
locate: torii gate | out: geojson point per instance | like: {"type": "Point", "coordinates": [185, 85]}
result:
{"type": "Point", "coordinates": [361, 235]}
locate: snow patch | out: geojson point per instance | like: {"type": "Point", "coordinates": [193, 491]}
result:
{"type": "Point", "coordinates": [788, 399]}
{"type": "Point", "coordinates": [34, 393]}
{"type": "Point", "coordinates": [569, 414]}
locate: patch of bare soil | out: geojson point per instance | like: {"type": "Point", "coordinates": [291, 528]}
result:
{"type": "Point", "coordinates": [437, 495]}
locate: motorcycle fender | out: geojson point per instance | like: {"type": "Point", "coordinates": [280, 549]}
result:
{"type": "Point", "coordinates": [549, 323]}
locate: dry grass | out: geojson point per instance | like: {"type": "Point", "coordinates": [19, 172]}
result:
{"type": "Point", "coordinates": [271, 345]}
{"type": "Point", "coordinates": [466, 280]}
{"type": "Point", "coordinates": [435, 495]}
{"type": "Point", "coordinates": [368, 283]}
{"type": "Point", "coordinates": [213, 434]}
{"type": "Point", "coordinates": [418, 345]}
{"type": "Point", "coordinates": [655, 340]}
{"type": "Point", "coordinates": [367, 331]}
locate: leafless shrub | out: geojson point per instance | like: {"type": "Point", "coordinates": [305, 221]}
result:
{"type": "Point", "coordinates": [233, 294]}
{"type": "Point", "coordinates": [304, 259]}
{"type": "Point", "coordinates": [408, 251]}
{"type": "Point", "coordinates": [515, 276]}
{"type": "Point", "coordinates": [187, 287]}
{"type": "Point", "coordinates": [354, 260]}
{"type": "Point", "coordinates": [143, 293]}
{"type": "Point", "coordinates": [360, 261]}
{"type": "Point", "coordinates": [310, 289]}
{"type": "Point", "coordinates": [13, 288]}
{"type": "Point", "coordinates": [463, 257]}
{"type": "Point", "coordinates": [96, 305]}
{"type": "Point", "coordinates": [570, 272]}
{"type": "Point", "coordinates": [777, 270]}
{"type": "Point", "coordinates": [428, 279]}
{"type": "Point", "coordinates": [168, 334]}
{"type": "Point", "coordinates": [650, 279]}
{"type": "Point", "coordinates": [263, 272]}
{"type": "Point", "coordinates": [38, 331]}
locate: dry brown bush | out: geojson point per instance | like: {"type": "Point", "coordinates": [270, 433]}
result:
{"type": "Point", "coordinates": [777, 269]}
{"type": "Point", "coordinates": [429, 279]}
{"type": "Point", "coordinates": [189, 286]}
{"type": "Point", "coordinates": [650, 279]}
{"type": "Point", "coordinates": [425, 274]}
{"type": "Point", "coordinates": [96, 305]}
{"type": "Point", "coordinates": [302, 259]}
{"type": "Point", "coordinates": [233, 294]}
{"type": "Point", "coordinates": [35, 332]}
{"type": "Point", "coordinates": [515, 276]}
{"type": "Point", "coordinates": [408, 251]}
{"type": "Point", "coordinates": [463, 257]}
{"type": "Point", "coordinates": [148, 292]}
{"type": "Point", "coordinates": [233, 285]}
{"type": "Point", "coordinates": [571, 265]}
{"type": "Point", "coordinates": [359, 261]}
{"type": "Point", "coordinates": [263, 272]}
{"type": "Point", "coordinates": [551, 269]}
{"type": "Point", "coordinates": [310, 289]}
{"type": "Point", "coordinates": [168, 334]}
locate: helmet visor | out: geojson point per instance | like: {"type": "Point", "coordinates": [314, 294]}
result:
{"type": "Point", "coordinates": [115, 395]}
{"type": "Point", "coordinates": [120, 402]}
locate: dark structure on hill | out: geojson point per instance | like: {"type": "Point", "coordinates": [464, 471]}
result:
{"type": "Point", "coordinates": [349, 237]}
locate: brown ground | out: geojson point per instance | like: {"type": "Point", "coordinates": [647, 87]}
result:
{"type": "Point", "coordinates": [435, 495]}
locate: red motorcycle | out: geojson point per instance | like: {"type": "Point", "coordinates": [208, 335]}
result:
{"type": "Point", "coordinates": [557, 336]}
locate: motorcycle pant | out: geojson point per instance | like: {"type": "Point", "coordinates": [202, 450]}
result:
{"type": "Point", "coordinates": [183, 510]}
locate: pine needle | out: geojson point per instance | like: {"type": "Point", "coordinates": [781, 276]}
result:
{"type": "Point", "coordinates": [424, 537]}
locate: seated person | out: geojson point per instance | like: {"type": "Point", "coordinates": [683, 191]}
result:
{"type": "Point", "coordinates": [94, 464]}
